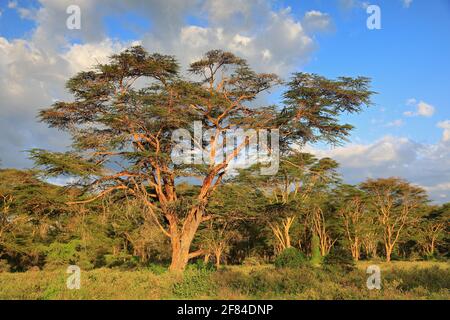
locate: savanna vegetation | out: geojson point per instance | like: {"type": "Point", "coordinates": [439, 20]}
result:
{"type": "Point", "coordinates": [141, 226]}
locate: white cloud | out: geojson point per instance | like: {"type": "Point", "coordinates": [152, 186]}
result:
{"type": "Point", "coordinates": [12, 4]}
{"type": "Point", "coordinates": [422, 108]}
{"type": "Point", "coordinates": [407, 3]}
{"type": "Point", "coordinates": [33, 71]}
{"type": "Point", "coordinates": [272, 41]}
{"type": "Point", "coordinates": [446, 126]}
{"type": "Point", "coordinates": [32, 78]}
{"type": "Point", "coordinates": [317, 21]}
{"type": "Point", "coordinates": [395, 123]}
{"type": "Point", "coordinates": [411, 102]}
{"type": "Point", "coordinates": [425, 109]}
{"type": "Point", "coordinates": [425, 165]}
{"type": "Point", "coordinates": [84, 56]}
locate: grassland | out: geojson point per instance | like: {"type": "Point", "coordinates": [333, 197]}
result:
{"type": "Point", "coordinates": [400, 280]}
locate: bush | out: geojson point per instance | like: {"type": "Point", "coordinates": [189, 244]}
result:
{"type": "Point", "coordinates": [200, 265]}
{"type": "Point", "coordinates": [432, 279]}
{"type": "Point", "coordinates": [253, 261]}
{"type": "Point", "coordinates": [290, 258]}
{"type": "Point", "coordinates": [340, 258]}
{"type": "Point", "coordinates": [64, 254]}
{"type": "Point", "coordinates": [121, 260]}
{"type": "Point", "coordinates": [194, 284]}
{"type": "Point", "coordinates": [4, 266]}
{"type": "Point", "coordinates": [316, 256]}
{"type": "Point", "coordinates": [157, 268]}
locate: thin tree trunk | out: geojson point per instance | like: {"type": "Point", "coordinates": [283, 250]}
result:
{"type": "Point", "coordinates": [388, 252]}
{"type": "Point", "coordinates": [218, 255]}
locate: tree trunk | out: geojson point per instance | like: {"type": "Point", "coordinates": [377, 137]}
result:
{"type": "Point", "coordinates": [218, 255]}
{"type": "Point", "coordinates": [181, 240]}
{"type": "Point", "coordinates": [432, 246]}
{"type": "Point", "coordinates": [388, 252]}
{"type": "Point", "coordinates": [180, 254]}
{"type": "Point", "coordinates": [316, 257]}
{"type": "Point", "coordinates": [355, 249]}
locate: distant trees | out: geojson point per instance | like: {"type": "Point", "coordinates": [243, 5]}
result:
{"type": "Point", "coordinates": [30, 212]}
{"type": "Point", "coordinates": [433, 228]}
{"type": "Point", "coordinates": [397, 204]}
{"type": "Point", "coordinates": [117, 231]}
{"type": "Point", "coordinates": [122, 129]}
{"type": "Point", "coordinates": [354, 214]}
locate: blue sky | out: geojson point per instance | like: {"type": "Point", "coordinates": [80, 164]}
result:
{"type": "Point", "coordinates": [408, 61]}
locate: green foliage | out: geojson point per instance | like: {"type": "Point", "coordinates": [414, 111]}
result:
{"type": "Point", "coordinates": [432, 279]}
{"type": "Point", "coordinates": [195, 283]}
{"type": "Point", "coordinates": [253, 261]}
{"type": "Point", "coordinates": [339, 258]}
{"type": "Point", "coordinates": [68, 163]}
{"type": "Point", "coordinates": [290, 258]}
{"type": "Point", "coordinates": [64, 254]}
{"type": "Point", "coordinates": [316, 257]}
{"type": "Point", "coordinates": [200, 265]}
{"type": "Point", "coordinates": [157, 268]}
{"type": "Point", "coordinates": [121, 260]}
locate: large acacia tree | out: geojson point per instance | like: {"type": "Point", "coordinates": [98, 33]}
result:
{"type": "Point", "coordinates": [124, 113]}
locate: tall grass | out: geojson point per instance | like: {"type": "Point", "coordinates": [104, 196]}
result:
{"type": "Point", "coordinates": [262, 282]}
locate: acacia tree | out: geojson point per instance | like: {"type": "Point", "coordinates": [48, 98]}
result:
{"type": "Point", "coordinates": [353, 213]}
{"type": "Point", "coordinates": [124, 113]}
{"type": "Point", "coordinates": [397, 204]}
{"type": "Point", "coordinates": [432, 229]}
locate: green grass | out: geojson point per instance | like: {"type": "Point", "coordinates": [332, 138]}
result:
{"type": "Point", "coordinates": [402, 280]}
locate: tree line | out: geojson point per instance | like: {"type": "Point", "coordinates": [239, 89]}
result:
{"type": "Point", "coordinates": [131, 204]}
{"type": "Point", "coordinates": [377, 219]}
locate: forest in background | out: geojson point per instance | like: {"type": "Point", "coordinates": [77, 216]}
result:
{"type": "Point", "coordinates": [39, 230]}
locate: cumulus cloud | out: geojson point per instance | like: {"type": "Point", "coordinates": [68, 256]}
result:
{"type": "Point", "coordinates": [317, 21]}
{"type": "Point", "coordinates": [446, 126]}
{"type": "Point", "coordinates": [12, 4]}
{"type": "Point", "coordinates": [425, 165]}
{"type": "Point", "coordinates": [423, 109]}
{"type": "Point", "coordinates": [33, 70]}
{"type": "Point", "coordinates": [396, 123]}
{"type": "Point", "coordinates": [274, 41]}
{"type": "Point", "coordinates": [30, 79]}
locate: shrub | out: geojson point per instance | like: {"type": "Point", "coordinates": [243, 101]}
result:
{"type": "Point", "coordinates": [290, 258]}
{"type": "Point", "coordinates": [253, 261]}
{"type": "Point", "coordinates": [121, 260]}
{"type": "Point", "coordinates": [316, 256]}
{"type": "Point", "coordinates": [63, 254]}
{"type": "Point", "coordinates": [200, 265]}
{"type": "Point", "coordinates": [156, 268]}
{"type": "Point", "coordinates": [432, 279]}
{"type": "Point", "coordinates": [195, 283]}
{"type": "Point", "coordinates": [4, 266]}
{"type": "Point", "coordinates": [340, 258]}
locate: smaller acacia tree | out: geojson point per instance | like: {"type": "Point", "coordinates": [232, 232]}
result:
{"type": "Point", "coordinates": [300, 177]}
{"type": "Point", "coordinates": [432, 229]}
{"type": "Point", "coordinates": [354, 216]}
{"type": "Point", "coordinates": [397, 204]}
